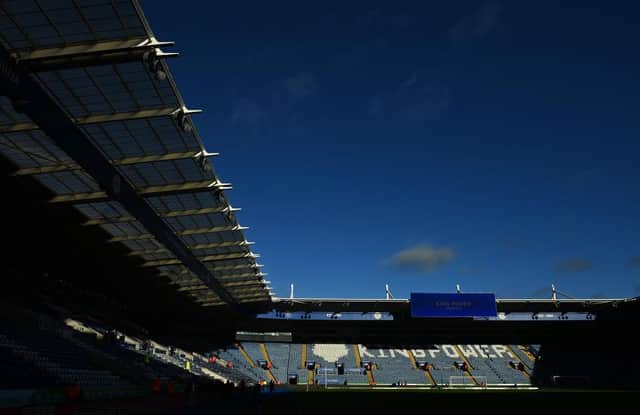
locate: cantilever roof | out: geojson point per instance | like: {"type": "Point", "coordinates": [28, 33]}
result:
{"type": "Point", "coordinates": [102, 65]}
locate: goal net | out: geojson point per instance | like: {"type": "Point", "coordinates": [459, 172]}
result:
{"type": "Point", "coordinates": [466, 381]}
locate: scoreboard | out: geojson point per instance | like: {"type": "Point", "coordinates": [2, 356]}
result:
{"type": "Point", "coordinates": [453, 305]}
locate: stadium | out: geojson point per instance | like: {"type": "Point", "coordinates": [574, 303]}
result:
{"type": "Point", "coordinates": [129, 285]}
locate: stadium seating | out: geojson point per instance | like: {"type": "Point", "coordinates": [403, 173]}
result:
{"type": "Point", "coordinates": [398, 367]}
{"type": "Point", "coordinates": [280, 355]}
{"type": "Point", "coordinates": [38, 352]}
{"type": "Point", "coordinates": [241, 365]}
{"type": "Point", "coordinates": [17, 373]}
{"type": "Point", "coordinates": [492, 362]}
{"type": "Point", "coordinates": [59, 360]}
{"type": "Point", "coordinates": [525, 354]}
{"type": "Point", "coordinates": [328, 355]}
{"type": "Point", "coordinates": [488, 363]}
{"type": "Point", "coordinates": [253, 350]}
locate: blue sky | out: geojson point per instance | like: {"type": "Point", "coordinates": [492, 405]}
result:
{"type": "Point", "coordinates": [423, 144]}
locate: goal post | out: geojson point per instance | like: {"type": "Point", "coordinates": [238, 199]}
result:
{"type": "Point", "coordinates": [466, 381]}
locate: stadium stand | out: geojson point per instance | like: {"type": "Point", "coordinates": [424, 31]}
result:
{"type": "Point", "coordinates": [396, 368]}
{"type": "Point", "coordinates": [488, 361]}
{"type": "Point", "coordinates": [239, 362]}
{"type": "Point", "coordinates": [124, 263]}
{"type": "Point", "coordinates": [281, 357]}
{"type": "Point", "coordinates": [519, 353]}
{"type": "Point", "coordinates": [105, 130]}
{"type": "Point", "coordinates": [254, 352]}
{"type": "Point", "coordinates": [492, 361]}
{"type": "Point", "coordinates": [297, 357]}
{"type": "Point", "coordinates": [53, 350]}
{"type": "Point", "coordinates": [327, 356]}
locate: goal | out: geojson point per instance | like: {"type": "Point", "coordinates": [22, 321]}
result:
{"type": "Point", "coordinates": [466, 381]}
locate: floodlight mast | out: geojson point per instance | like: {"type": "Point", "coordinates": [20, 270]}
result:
{"type": "Point", "coordinates": [388, 294]}
{"type": "Point", "coordinates": [555, 292]}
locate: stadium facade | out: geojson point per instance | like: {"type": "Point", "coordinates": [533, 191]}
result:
{"type": "Point", "coordinates": [124, 262]}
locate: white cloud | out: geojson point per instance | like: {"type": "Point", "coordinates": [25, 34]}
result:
{"type": "Point", "coordinates": [422, 258]}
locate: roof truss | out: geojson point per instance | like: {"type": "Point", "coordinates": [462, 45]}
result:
{"type": "Point", "coordinates": [91, 197]}
{"type": "Point", "coordinates": [89, 54]}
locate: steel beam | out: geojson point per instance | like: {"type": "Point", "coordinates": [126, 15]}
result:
{"type": "Point", "coordinates": [246, 289]}
{"type": "Point", "coordinates": [201, 246]}
{"type": "Point", "coordinates": [211, 303]}
{"type": "Point", "coordinates": [28, 171]}
{"type": "Point", "coordinates": [148, 252]}
{"type": "Point", "coordinates": [243, 284]}
{"type": "Point", "coordinates": [94, 119]}
{"type": "Point", "coordinates": [255, 297]}
{"type": "Point", "coordinates": [206, 258]}
{"type": "Point", "coordinates": [171, 214]}
{"type": "Point", "coordinates": [202, 211]}
{"type": "Point", "coordinates": [106, 221]}
{"type": "Point", "coordinates": [190, 283]}
{"type": "Point", "coordinates": [131, 237]}
{"type": "Point", "coordinates": [183, 187]}
{"type": "Point", "coordinates": [234, 277]}
{"type": "Point", "coordinates": [87, 197]}
{"type": "Point", "coordinates": [87, 54]}
{"type": "Point", "coordinates": [213, 229]}
{"type": "Point", "coordinates": [221, 244]}
{"type": "Point", "coordinates": [191, 288]}
{"type": "Point", "coordinates": [225, 257]}
{"type": "Point", "coordinates": [217, 268]}
{"type": "Point", "coordinates": [262, 293]}
{"type": "Point", "coordinates": [207, 298]}
{"type": "Point", "coordinates": [249, 281]}
{"type": "Point", "coordinates": [161, 262]}
{"type": "Point", "coordinates": [80, 197]}
{"type": "Point", "coordinates": [185, 281]}
{"type": "Point", "coordinates": [162, 157]}
{"type": "Point", "coordinates": [118, 162]}
{"type": "Point", "coordinates": [29, 97]}
{"type": "Point", "coordinates": [149, 191]}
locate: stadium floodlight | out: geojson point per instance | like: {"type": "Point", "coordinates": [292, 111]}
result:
{"type": "Point", "coordinates": [181, 116]}
{"type": "Point", "coordinates": [152, 58]}
{"type": "Point", "coordinates": [202, 160]}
